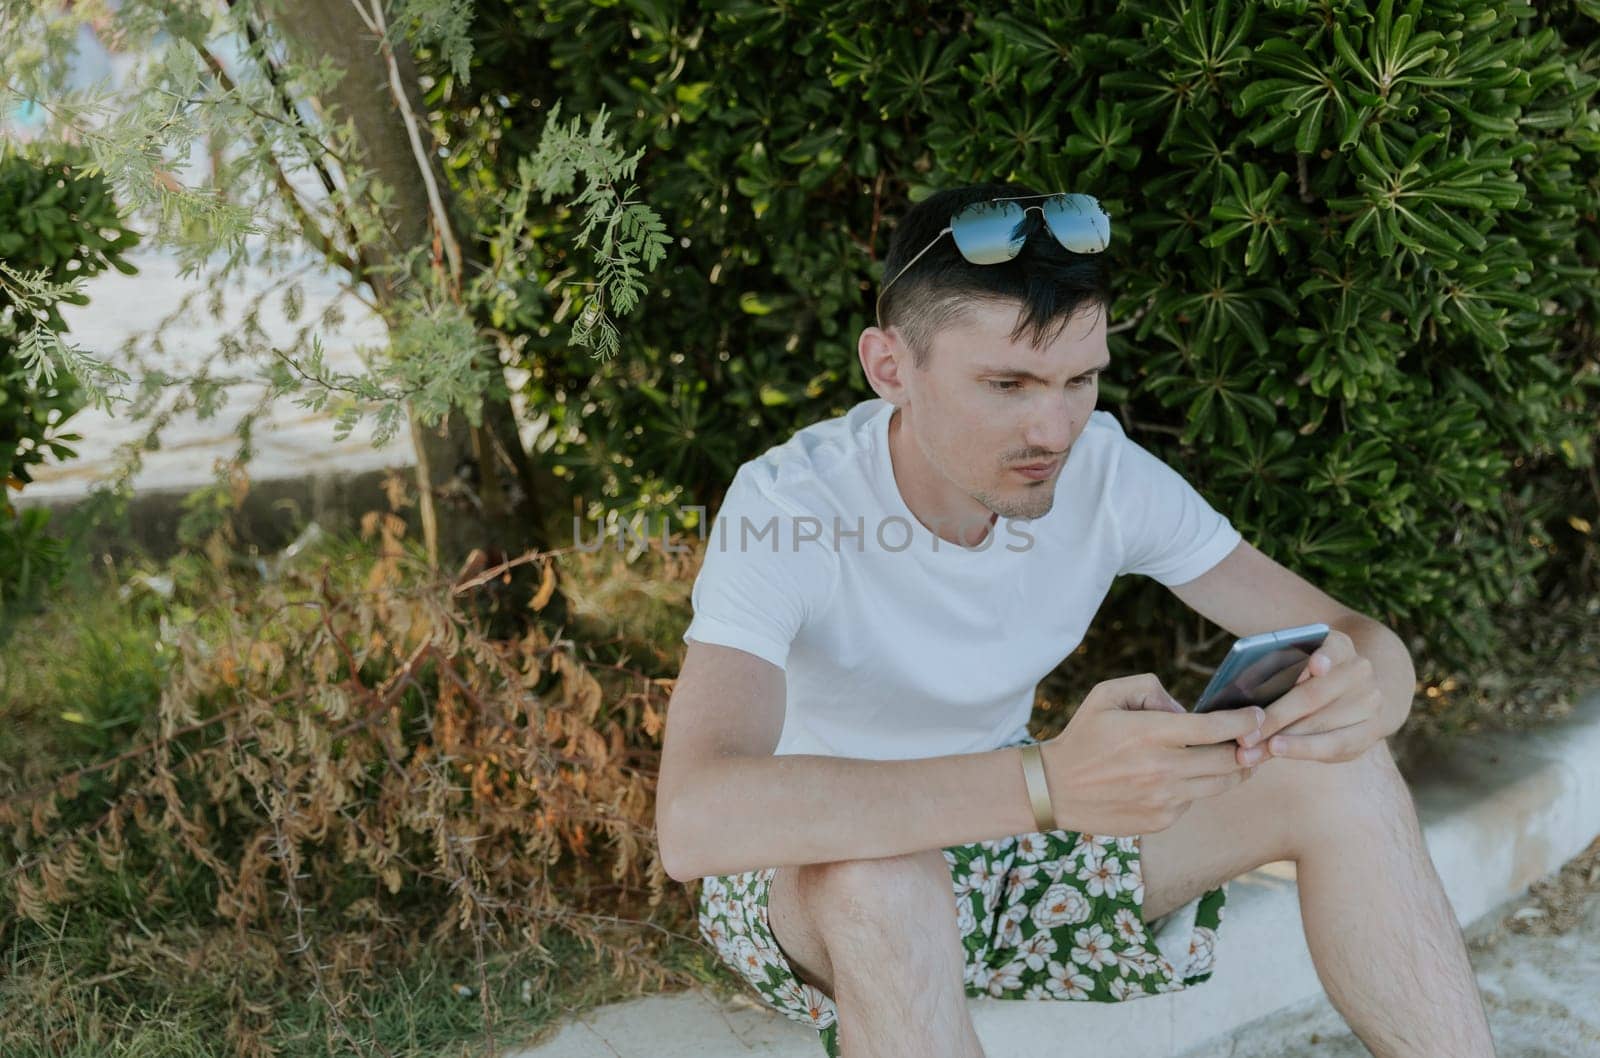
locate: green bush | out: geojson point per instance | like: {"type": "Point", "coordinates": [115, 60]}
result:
{"type": "Point", "coordinates": [1356, 246]}
{"type": "Point", "coordinates": [56, 224]}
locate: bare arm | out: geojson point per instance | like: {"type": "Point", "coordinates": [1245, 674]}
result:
{"type": "Point", "coordinates": [725, 804]}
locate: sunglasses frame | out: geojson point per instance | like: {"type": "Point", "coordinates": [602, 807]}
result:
{"type": "Point", "coordinates": [950, 228]}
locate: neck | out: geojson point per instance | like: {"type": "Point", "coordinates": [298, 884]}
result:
{"type": "Point", "coordinates": [949, 514]}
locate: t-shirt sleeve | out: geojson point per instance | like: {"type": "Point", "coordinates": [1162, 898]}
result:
{"type": "Point", "coordinates": [767, 570]}
{"type": "Point", "coordinates": [1168, 531]}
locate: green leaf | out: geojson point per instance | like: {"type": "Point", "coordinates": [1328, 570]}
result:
{"type": "Point", "coordinates": [751, 303]}
{"type": "Point", "coordinates": [1342, 45]}
{"type": "Point", "coordinates": [1309, 134]}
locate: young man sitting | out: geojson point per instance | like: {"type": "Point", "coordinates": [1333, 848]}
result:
{"type": "Point", "coordinates": [847, 765]}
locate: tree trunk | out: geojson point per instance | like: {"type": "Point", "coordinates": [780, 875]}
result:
{"type": "Point", "coordinates": [336, 30]}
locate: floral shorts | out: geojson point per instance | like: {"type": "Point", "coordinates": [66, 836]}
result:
{"type": "Point", "coordinates": [1054, 915]}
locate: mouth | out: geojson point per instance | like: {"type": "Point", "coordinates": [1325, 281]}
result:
{"type": "Point", "coordinates": [1038, 471]}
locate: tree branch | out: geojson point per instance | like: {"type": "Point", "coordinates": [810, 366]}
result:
{"type": "Point", "coordinates": [441, 220]}
{"type": "Point", "coordinates": [275, 79]}
{"type": "Point", "coordinates": [313, 233]}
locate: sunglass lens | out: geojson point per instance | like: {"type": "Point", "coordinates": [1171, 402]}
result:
{"type": "Point", "coordinates": [1078, 222]}
{"type": "Point", "coordinates": [989, 232]}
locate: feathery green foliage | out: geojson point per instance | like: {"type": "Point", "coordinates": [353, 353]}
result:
{"type": "Point", "coordinates": [220, 76]}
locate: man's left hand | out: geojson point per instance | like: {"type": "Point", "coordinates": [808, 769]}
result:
{"type": "Point", "coordinates": [1334, 710]}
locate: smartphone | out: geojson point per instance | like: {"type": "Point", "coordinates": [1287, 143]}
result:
{"type": "Point", "coordinates": [1260, 669]}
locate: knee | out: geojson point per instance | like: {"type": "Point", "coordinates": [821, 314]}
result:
{"type": "Point", "coordinates": [1368, 788]}
{"type": "Point", "coordinates": [881, 893]}
{"type": "Point", "coordinates": [1373, 778]}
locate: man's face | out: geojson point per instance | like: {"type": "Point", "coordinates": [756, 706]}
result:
{"type": "Point", "coordinates": [984, 406]}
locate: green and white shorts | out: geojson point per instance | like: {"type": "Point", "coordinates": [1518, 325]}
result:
{"type": "Point", "coordinates": [1054, 915]}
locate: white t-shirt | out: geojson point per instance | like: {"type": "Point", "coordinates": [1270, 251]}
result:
{"type": "Point", "coordinates": [897, 644]}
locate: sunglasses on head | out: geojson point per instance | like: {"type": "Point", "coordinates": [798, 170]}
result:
{"type": "Point", "coordinates": [992, 231]}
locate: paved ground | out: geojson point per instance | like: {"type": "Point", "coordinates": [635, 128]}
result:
{"type": "Point", "coordinates": [1537, 960]}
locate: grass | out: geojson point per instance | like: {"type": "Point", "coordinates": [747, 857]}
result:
{"type": "Point", "coordinates": [110, 976]}
{"type": "Point", "coordinates": [58, 1001]}
{"type": "Point", "coordinates": [76, 679]}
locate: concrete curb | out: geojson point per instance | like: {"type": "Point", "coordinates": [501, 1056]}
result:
{"type": "Point", "coordinates": [1501, 812]}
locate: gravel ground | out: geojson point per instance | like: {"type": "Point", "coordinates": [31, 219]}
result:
{"type": "Point", "coordinates": [1537, 960]}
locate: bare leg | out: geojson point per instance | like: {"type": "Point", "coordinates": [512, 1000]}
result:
{"type": "Point", "coordinates": [879, 936]}
{"type": "Point", "coordinates": [1381, 930]}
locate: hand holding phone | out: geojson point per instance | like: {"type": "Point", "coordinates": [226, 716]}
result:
{"type": "Point", "coordinates": [1118, 769]}
{"type": "Point", "coordinates": [1260, 669]}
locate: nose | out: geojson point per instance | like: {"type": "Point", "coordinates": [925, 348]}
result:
{"type": "Point", "coordinates": [1049, 427]}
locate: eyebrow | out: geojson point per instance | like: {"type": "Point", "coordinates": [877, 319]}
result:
{"type": "Point", "coordinates": [1012, 372]}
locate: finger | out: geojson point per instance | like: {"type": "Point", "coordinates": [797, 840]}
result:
{"type": "Point", "coordinates": [1320, 664]}
{"type": "Point", "coordinates": [1342, 713]}
{"type": "Point", "coordinates": [1345, 743]}
{"type": "Point", "coordinates": [1250, 756]}
{"type": "Point", "coordinates": [1223, 725]}
{"type": "Point", "coordinates": [1169, 703]}
{"type": "Point", "coordinates": [1317, 665]}
{"type": "Point", "coordinates": [1144, 691]}
{"type": "Point", "coordinates": [1303, 700]}
{"type": "Point", "coordinates": [1336, 647]}
{"type": "Point", "coordinates": [1334, 651]}
{"type": "Point", "coordinates": [1211, 785]}
{"type": "Point", "coordinates": [1199, 762]}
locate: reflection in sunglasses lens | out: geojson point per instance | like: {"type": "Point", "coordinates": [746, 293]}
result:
{"type": "Point", "coordinates": [1078, 223]}
{"type": "Point", "coordinates": [989, 232]}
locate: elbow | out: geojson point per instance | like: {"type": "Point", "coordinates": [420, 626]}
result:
{"type": "Point", "coordinates": [675, 859]}
{"type": "Point", "coordinates": [1402, 673]}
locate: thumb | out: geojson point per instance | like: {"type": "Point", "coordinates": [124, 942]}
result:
{"type": "Point", "coordinates": [1152, 696]}
{"type": "Point", "coordinates": [1142, 692]}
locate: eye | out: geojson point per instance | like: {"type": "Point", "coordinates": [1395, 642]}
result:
{"type": "Point", "coordinates": [1004, 385]}
{"type": "Point", "coordinates": [1084, 380]}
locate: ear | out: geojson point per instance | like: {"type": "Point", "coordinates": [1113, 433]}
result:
{"type": "Point", "coordinates": [884, 357]}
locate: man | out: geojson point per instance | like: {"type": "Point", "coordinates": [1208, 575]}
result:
{"type": "Point", "coordinates": [845, 752]}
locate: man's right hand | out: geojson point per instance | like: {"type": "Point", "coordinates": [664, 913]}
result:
{"type": "Point", "coordinates": [1131, 759]}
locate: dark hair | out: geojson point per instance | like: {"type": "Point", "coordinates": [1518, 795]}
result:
{"type": "Point", "coordinates": [1049, 281]}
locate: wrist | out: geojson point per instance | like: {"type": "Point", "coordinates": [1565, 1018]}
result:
{"type": "Point", "coordinates": [1038, 786]}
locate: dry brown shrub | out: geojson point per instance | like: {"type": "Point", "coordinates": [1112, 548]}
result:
{"type": "Point", "coordinates": [357, 767]}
